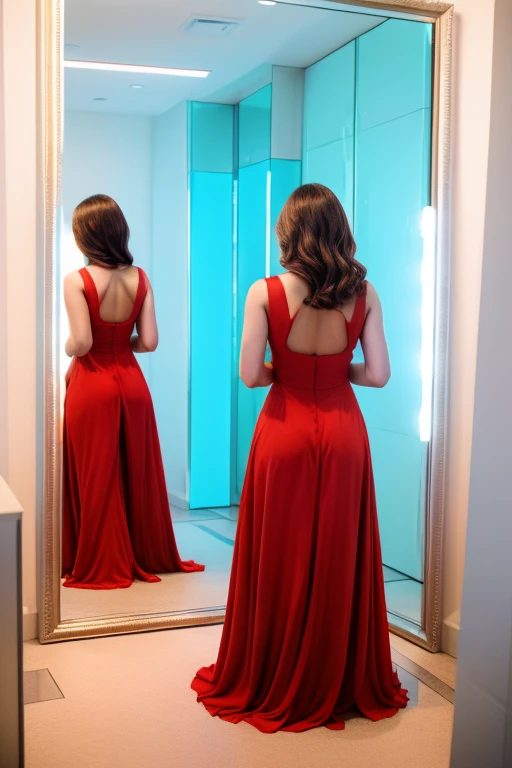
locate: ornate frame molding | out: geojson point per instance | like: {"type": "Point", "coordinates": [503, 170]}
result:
{"type": "Point", "coordinates": [50, 39]}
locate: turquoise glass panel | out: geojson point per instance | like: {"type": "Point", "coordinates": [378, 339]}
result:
{"type": "Point", "coordinates": [251, 261]}
{"type": "Point", "coordinates": [329, 98]}
{"type": "Point", "coordinates": [333, 166]}
{"type": "Point", "coordinates": [392, 186]}
{"type": "Point", "coordinates": [211, 322]}
{"type": "Point", "coordinates": [211, 137]}
{"type": "Point", "coordinates": [398, 466]}
{"type": "Point", "coordinates": [285, 177]}
{"type": "Point", "coordinates": [394, 65]}
{"type": "Point", "coordinates": [255, 127]}
{"type": "Point", "coordinates": [392, 189]}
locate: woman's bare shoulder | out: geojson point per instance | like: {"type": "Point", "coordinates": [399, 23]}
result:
{"type": "Point", "coordinates": [73, 279]}
{"type": "Point", "coordinates": [372, 297]}
{"type": "Point", "coordinates": [371, 292]}
{"type": "Point", "coordinates": [133, 270]}
{"type": "Point", "coordinates": [258, 292]}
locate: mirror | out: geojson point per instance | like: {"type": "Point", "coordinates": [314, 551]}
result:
{"type": "Point", "coordinates": [201, 159]}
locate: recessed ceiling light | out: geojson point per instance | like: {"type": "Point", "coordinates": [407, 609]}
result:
{"type": "Point", "coordinates": [136, 69]}
{"type": "Point", "coordinates": [267, 2]}
{"type": "Point", "coordinates": [100, 98]}
{"type": "Point", "coordinates": [136, 86]}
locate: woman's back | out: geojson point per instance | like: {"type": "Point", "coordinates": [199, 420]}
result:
{"type": "Point", "coordinates": [311, 348]}
{"type": "Point", "coordinates": [117, 291]}
{"type": "Point", "coordinates": [314, 331]}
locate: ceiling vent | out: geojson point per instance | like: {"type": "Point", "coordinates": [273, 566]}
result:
{"type": "Point", "coordinates": [210, 26]}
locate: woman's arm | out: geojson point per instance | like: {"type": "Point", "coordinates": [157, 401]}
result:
{"type": "Point", "coordinates": [253, 371]}
{"type": "Point", "coordinates": [80, 333]}
{"type": "Point", "coordinates": [146, 339]}
{"type": "Point", "coordinates": [376, 370]}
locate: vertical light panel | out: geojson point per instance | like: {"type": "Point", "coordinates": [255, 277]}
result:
{"type": "Point", "coordinates": [392, 188]}
{"type": "Point", "coordinates": [428, 233]}
{"type": "Point", "coordinates": [211, 318]}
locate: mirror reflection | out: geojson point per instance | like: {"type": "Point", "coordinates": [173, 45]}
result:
{"type": "Point", "coordinates": [200, 167]}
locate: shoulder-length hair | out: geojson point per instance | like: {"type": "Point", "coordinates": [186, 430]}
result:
{"type": "Point", "coordinates": [317, 244]}
{"type": "Point", "coordinates": [101, 232]}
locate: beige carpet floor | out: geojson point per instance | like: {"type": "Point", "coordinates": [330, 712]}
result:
{"type": "Point", "coordinates": [128, 704]}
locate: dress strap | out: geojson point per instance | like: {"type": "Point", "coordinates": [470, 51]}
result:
{"type": "Point", "coordinates": [91, 292]}
{"type": "Point", "coordinates": [358, 318]}
{"type": "Point", "coordinates": [278, 313]}
{"type": "Point", "coordinates": [142, 289]}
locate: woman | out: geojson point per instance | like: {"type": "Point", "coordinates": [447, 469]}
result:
{"type": "Point", "coordinates": [306, 635]}
{"type": "Point", "coordinates": [116, 521]}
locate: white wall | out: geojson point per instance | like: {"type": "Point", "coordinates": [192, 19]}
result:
{"type": "Point", "coordinates": [22, 379]}
{"type": "Point", "coordinates": [3, 284]}
{"type": "Point", "coordinates": [170, 362]}
{"type": "Point", "coordinates": [111, 155]}
{"type": "Point", "coordinates": [473, 34]}
{"type": "Point", "coordinates": [483, 705]}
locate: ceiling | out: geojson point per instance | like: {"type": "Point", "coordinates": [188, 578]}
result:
{"type": "Point", "coordinates": [151, 33]}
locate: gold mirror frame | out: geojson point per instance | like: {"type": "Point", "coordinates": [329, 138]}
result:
{"type": "Point", "coordinates": [50, 41]}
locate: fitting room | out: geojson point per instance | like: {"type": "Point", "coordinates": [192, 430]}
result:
{"type": "Point", "coordinates": [200, 120]}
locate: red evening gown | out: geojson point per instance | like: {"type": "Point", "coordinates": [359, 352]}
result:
{"type": "Point", "coordinates": [305, 638]}
{"type": "Point", "coordinates": [116, 520]}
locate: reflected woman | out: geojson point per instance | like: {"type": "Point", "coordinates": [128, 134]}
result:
{"type": "Point", "coordinates": [305, 638]}
{"type": "Point", "coordinates": [116, 521]}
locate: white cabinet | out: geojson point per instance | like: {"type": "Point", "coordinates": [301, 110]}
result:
{"type": "Point", "coordinates": [11, 631]}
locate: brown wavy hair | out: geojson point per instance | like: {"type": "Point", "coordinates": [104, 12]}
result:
{"type": "Point", "coordinates": [101, 232]}
{"type": "Point", "coordinates": [317, 244]}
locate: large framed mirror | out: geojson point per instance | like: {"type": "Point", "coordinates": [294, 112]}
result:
{"type": "Point", "coordinates": [200, 120]}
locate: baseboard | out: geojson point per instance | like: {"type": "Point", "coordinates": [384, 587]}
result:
{"type": "Point", "coordinates": [179, 501]}
{"type": "Point", "coordinates": [450, 638]}
{"type": "Point", "coordinates": [29, 626]}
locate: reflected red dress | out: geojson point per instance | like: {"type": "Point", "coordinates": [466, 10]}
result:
{"type": "Point", "coordinates": [305, 638]}
{"type": "Point", "coordinates": [116, 520]}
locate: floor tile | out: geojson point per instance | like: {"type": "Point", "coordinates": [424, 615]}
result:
{"type": "Point", "coordinates": [404, 599]}
{"type": "Point", "coordinates": [39, 685]}
{"type": "Point", "coordinates": [192, 515]}
{"type": "Point", "coordinates": [223, 529]}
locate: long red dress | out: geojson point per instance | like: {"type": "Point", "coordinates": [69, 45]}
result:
{"type": "Point", "coordinates": [305, 638]}
{"type": "Point", "coordinates": [116, 520]}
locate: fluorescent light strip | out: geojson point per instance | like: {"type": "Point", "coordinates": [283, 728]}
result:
{"type": "Point", "coordinates": [428, 233]}
{"type": "Point", "coordinates": [135, 69]}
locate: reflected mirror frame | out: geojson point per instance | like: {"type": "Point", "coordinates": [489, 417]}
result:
{"type": "Point", "coordinates": [50, 118]}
